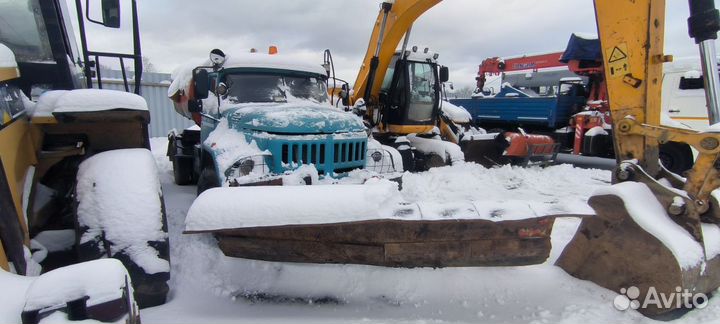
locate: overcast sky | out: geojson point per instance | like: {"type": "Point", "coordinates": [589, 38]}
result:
{"type": "Point", "coordinates": [464, 32]}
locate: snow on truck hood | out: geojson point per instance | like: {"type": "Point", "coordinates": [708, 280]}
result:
{"type": "Point", "coordinates": [292, 118]}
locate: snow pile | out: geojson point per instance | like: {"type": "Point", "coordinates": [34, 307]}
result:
{"type": "Point", "coordinates": [457, 114]}
{"type": "Point", "coordinates": [229, 146]}
{"type": "Point", "coordinates": [597, 130]}
{"type": "Point", "coordinates": [56, 240]}
{"type": "Point", "coordinates": [442, 148]}
{"type": "Point", "coordinates": [101, 280]}
{"type": "Point", "coordinates": [47, 102]}
{"type": "Point", "coordinates": [647, 212]}
{"type": "Point", "coordinates": [118, 193]}
{"type": "Point", "coordinates": [711, 238]}
{"type": "Point", "coordinates": [7, 58]}
{"type": "Point", "coordinates": [237, 207]}
{"type": "Point", "coordinates": [84, 100]}
{"type": "Point", "coordinates": [441, 193]}
{"type": "Point", "coordinates": [11, 300]}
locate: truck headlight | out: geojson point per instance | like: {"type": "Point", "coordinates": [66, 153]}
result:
{"type": "Point", "coordinates": [240, 168]}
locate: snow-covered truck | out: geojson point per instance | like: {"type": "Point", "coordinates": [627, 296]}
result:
{"type": "Point", "coordinates": [265, 120]}
{"type": "Point", "coordinates": [77, 180]}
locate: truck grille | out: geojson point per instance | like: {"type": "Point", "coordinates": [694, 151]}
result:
{"type": "Point", "coordinates": [327, 156]}
{"type": "Point", "coordinates": [303, 153]}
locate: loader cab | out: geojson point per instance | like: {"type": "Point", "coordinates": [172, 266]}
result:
{"type": "Point", "coordinates": [40, 33]}
{"type": "Point", "coordinates": [410, 93]}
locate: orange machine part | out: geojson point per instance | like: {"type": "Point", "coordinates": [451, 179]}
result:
{"type": "Point", "coordinates": [520, 143]}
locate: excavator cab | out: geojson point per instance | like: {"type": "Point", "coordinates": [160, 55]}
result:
{"type": "Point", "coordinates": [410, 92]}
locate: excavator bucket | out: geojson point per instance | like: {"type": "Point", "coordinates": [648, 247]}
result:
{"type": "Point", "coordinates": [634, 242]}
{"type": "Point", "coordinates": [486, 150]}
{"type": "Point", "coordinates": [508, 148]}
{"type": "Point", "coordinates": [364, 224]}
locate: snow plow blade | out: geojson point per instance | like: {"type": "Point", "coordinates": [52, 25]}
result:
{"type": "Point", "coordinates": [628, 245]}
{"type": "Point", "coordinates": [355, 228]}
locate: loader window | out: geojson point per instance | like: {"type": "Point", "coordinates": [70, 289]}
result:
{"type": "Point", "coordinates": [422, 91]}
{"type": "Point", "coordinates": [23, 30]}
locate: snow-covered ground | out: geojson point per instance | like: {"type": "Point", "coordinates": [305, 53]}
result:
{"type": "Point", "coordinates": [208, 287]}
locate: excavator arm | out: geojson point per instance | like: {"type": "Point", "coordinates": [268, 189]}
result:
{"type": "Point", "coordinates": [393, 22]}
{"type": "Point", "coordinates": [628, 243]}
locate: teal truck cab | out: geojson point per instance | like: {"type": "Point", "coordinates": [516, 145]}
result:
{"type": "Point", "coordinates": [264, 120]}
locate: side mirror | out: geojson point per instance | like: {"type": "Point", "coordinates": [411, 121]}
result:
{"type": "Point", "coordinates": [444, 74]}
{"type": "Point", "coordinates": [201, 83]}
{"type": "Point", "coordinates": [345, 95]}
{"type": "Point", "coordinates": [111, 13]}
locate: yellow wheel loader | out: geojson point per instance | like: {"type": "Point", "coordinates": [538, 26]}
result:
{"type": "Point", "coordinates": [77, 179]}
{"type": "Point", "coordinates": [652, 231]}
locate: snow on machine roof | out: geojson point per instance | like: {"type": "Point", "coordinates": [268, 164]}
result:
{"type": "Point", "coordinates": [182, 75]}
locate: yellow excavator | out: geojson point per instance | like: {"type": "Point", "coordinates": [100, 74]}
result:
{"type": "Point", "coordinates": [652, 229]}
{"type": "Point", "coordinates": [398, 93]}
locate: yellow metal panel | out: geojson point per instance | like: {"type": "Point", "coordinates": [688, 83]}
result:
{"type": "Point", "coordinates": [631, 36]}
{"type": "Point", "coordinates": [3, 260]}
{"type": "Point", "coordinates": [409, 129]}
{"type": "Point", "coordinates": [9, 73]}
{"type": "Point", "coordinates": [17, 150]}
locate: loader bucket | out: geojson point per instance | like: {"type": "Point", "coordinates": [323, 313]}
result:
{"type": "Point", "coordinates": [362, 224]}
{"type": "Point", "coordinates": [486, 150]}
{"type": "Point", "coordinates": [632, 242]}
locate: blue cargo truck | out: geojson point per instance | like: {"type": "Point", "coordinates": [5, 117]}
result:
{"type": "Point", "coordinates": [513, 107]}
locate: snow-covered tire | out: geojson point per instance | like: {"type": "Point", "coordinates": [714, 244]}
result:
{"type": "Point", "coordinates": [121, 214]}
{"type": "Point", "coordinates": [208, 179]}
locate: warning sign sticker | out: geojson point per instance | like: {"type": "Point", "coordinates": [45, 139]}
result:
{"type": "Point", "coordinates": [617, 60]}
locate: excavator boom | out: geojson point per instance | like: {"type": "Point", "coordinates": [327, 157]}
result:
{"type": "Point", "coordinates": [394, 20]}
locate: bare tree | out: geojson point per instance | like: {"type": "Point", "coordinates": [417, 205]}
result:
{"type": "Point", "coordinates": [147, 65]}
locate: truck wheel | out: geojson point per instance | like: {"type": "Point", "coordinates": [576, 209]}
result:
{"type": "Point", "coordinates": [208, 179]}
{"type": "Point", "coordinates": [676, 157]}
{"type": "Point", "coordinates": [183, 171]}
{"type": "Point", "coordinates": [182, 166]}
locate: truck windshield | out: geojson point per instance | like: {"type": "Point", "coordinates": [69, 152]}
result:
{"type": "Point", "coordinates": [422, 91]}
{"type": "Point", "coordinates": [22, 29]}
{"type": "Point", "coordinates": [243, 88]}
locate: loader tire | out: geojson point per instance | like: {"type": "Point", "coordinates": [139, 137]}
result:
{"type": "Point", "coordinates": [150, 289]}
{"type": "Point", "coordinates": [676, 157]}
{"type": "Point", "coordinates": [208, 179]}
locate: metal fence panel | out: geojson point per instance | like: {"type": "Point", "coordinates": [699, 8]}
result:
{"type": "Point", "coordinates": [153, 88]}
